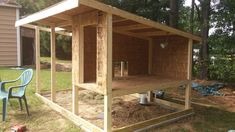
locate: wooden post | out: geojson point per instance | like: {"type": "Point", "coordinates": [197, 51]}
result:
{"type": "Point", "coordinates": [150, 56]}
{"type": "Point", "coordinates": [150, 65]}
{"type": "Point", "coordinates": [122, 68]}
{"type": "Point", "coordinates": [37, 45]}
{"type": "Point", "coordinates": [77, 60]}
{"type": "Point", "coordinates": [104, 64]}
{"type": "Point", "coordinates": [189, 75]}
{"type": "Point", "coordinates": [53, 63]}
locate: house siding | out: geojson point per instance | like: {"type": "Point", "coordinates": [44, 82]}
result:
{"type": "Point", "coordinates": [8, 37]}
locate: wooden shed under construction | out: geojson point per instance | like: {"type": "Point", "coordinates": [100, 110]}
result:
{"type": "Point", "coordinates": [158, 57]}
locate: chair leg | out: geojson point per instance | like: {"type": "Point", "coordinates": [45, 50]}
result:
{"type": "Point", "coordinates": [21, 108]}
{"type": "Point", "coordinates": [26, 105]}
{"type": "Point", "coordinates": [4, 109]}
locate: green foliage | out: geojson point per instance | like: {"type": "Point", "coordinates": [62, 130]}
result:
{"type": "Point", "coordinates": [32, 6]}
{"type": "Point", "coordinates": [223, 49]}
{"type": "Point", "coordinates": [45, 43]}
{"type": "Point", "coordinates": [157, 10]}
{"type": "Point", "coordinates": [221, 42]}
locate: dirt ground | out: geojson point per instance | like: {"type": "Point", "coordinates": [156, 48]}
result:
{"type": "Point", "coordinates": [126, 110]}
{"type": "Point", "coordinates": [226, 102]}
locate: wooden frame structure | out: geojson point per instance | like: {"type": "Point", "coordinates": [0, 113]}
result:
{"type": "Point", "coordinates": [74, 16]}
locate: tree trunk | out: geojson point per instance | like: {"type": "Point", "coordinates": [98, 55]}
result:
{"type": "Point", "coordinates": [205, 6]}
{"type": "Point", "coordinates": [192, 16]}
{"type": "Point", "coordinates": [174, 13]}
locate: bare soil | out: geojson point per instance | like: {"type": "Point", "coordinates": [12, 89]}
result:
{"type": "Point", "coordinates": [226, 102]}
{"type": "Point", "coordinates": [126, 110]}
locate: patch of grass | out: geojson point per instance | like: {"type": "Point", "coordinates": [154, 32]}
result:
{"type": "Point", "coordinates": [214, 119]}
{"type": "Point", "coordinates": [45, 119]}
{"type": "Point", "coordinates": [42, 117]}
{"type": "Point", "coordinates": [48, 59]}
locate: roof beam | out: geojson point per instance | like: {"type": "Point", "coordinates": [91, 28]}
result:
{"type": "Point", "coordinates": [64, 17]}
{"type": "Point", "coordinates": [51, 11]}
{"type": "Point", "coordinates": [64, 23]}
{"type": "Point", "coordinates": [119, 20]}
{"type": "Point", "coordinates": [58, 30]}
{"type": "Point", "coordinates": [130, 34]}
{"type": "Point", "coordinates": [156, 33]}
{"type": "Point", "coordinates": [100, 6]}
{"type": "Point", "coordinates": [132, 27]}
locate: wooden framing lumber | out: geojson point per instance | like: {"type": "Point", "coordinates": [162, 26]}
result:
{"type": "Point", "coordinates": [77, 60]}
{"type": "Point", "coordinates": [90, 86]}
{"type": "Point", "coordinates": [38, 67]}
{"type": "Point", "coordinates": [51, 11]}
{"type": "Point", "coordinates": [155, 33]}
{"type": "Point", "coordinates": [58, 30]}
{"type": "Point", "coordinates": [69, 115]}
{"type": "Point", "coordinates": [89, 18]}
{"type": "Point", "coordinates": [154, 121]}
{"type": "Point", "coordinates": [121, 92]}
{"type": "Point", "coordinates": [53, 63]}
{"type": "Point", "coordinates": [169, 104]}
{"type": "Point", "coordinates": [130, 34]}
{"type": "Point", "coordinates": [189, 75]}
{"type": "Point", "coordinates": [115, 11]}
{"type": "Point", "coordinates": [63, 17]}
{"type": "Point", "coordinates": [132, 27]}
{"type": "Point", "coordinates": [150, 65]}
{"type": "Point", "coordinates": [119, 20]}
{"type": "Point", "coordinates": [64, 23]}
{"type": "Point", "coordinates": [104, 64]}
{"type": "Point", "coordinates": [150, 56]}
{"type": "Point", "coordinates": [122, 68]}
{"type": "Point", "coordinates": [104, 52]}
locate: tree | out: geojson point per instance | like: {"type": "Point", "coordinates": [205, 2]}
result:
{"type": "Point", "coordinates": [174, 13]}
{"type": "Point", "coordinates": [221, 42]}
{"type": "Point", "coordinates": [192, 16]}
{"type": "Point", "coordinates": [204, 54]}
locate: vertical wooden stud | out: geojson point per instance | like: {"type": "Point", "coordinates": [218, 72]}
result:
{"type": "Point", "coordinates": [189, 75]}
{"type": "Point", "coordinates": [77, 60]}
{"type": "Point", "coordinates": [150, 65]}
{"type": "Point", "coordinates": [37, 45]}
{"type": "Point", "coordinates": [150, 56]}
{"type": "Point", "coordinates": [104, 64]}
{"type": "Point", "coordinates": [122, 68]}
{"type": "Point", "coordinates": [53, 63]}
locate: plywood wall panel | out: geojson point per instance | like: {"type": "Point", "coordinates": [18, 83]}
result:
{"type": "Point", "coordinates": [172, 60]}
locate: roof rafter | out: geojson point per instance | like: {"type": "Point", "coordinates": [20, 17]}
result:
{"type": "Point", "coordinates": [132, 27]}
{"type": "Point", "coordinates": [156, 33]}
{"type": "Point", "coordinates": [115, 11]}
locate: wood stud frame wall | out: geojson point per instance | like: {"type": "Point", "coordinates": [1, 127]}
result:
{"type": "Point", "coordinates": [103, 20]}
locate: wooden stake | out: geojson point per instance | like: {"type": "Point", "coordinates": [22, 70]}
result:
{"type": "Point", "coordinates": [37, 45]}
{"type": "Point", "coordinates": [189, 76]}
{"type": "Point", "coordinates": [122, 68]}
{"type": "Point", "coordinates": [53, 64]}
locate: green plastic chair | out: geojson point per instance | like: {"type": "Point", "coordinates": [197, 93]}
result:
{"type": "Point", "coordinates": [19, 91]}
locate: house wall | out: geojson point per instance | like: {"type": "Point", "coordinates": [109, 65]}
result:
{"type": "Point", "coordinates": [8, 37]}
{"type": "Point", "coordinates": [171, 61]}
{"type": "Point", "coordinates": [125, 48]}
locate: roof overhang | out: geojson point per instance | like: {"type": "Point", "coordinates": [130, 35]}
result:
{"type": "Point", "coordinates": [48, 12]}
{"type": "Point", "coordinates": [61, 15]}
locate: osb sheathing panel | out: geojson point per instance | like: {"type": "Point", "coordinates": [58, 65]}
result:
{"type": "Point", "coordinates": [170, 61]}
{"type": "Point", "coordinates": [125, 48]}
